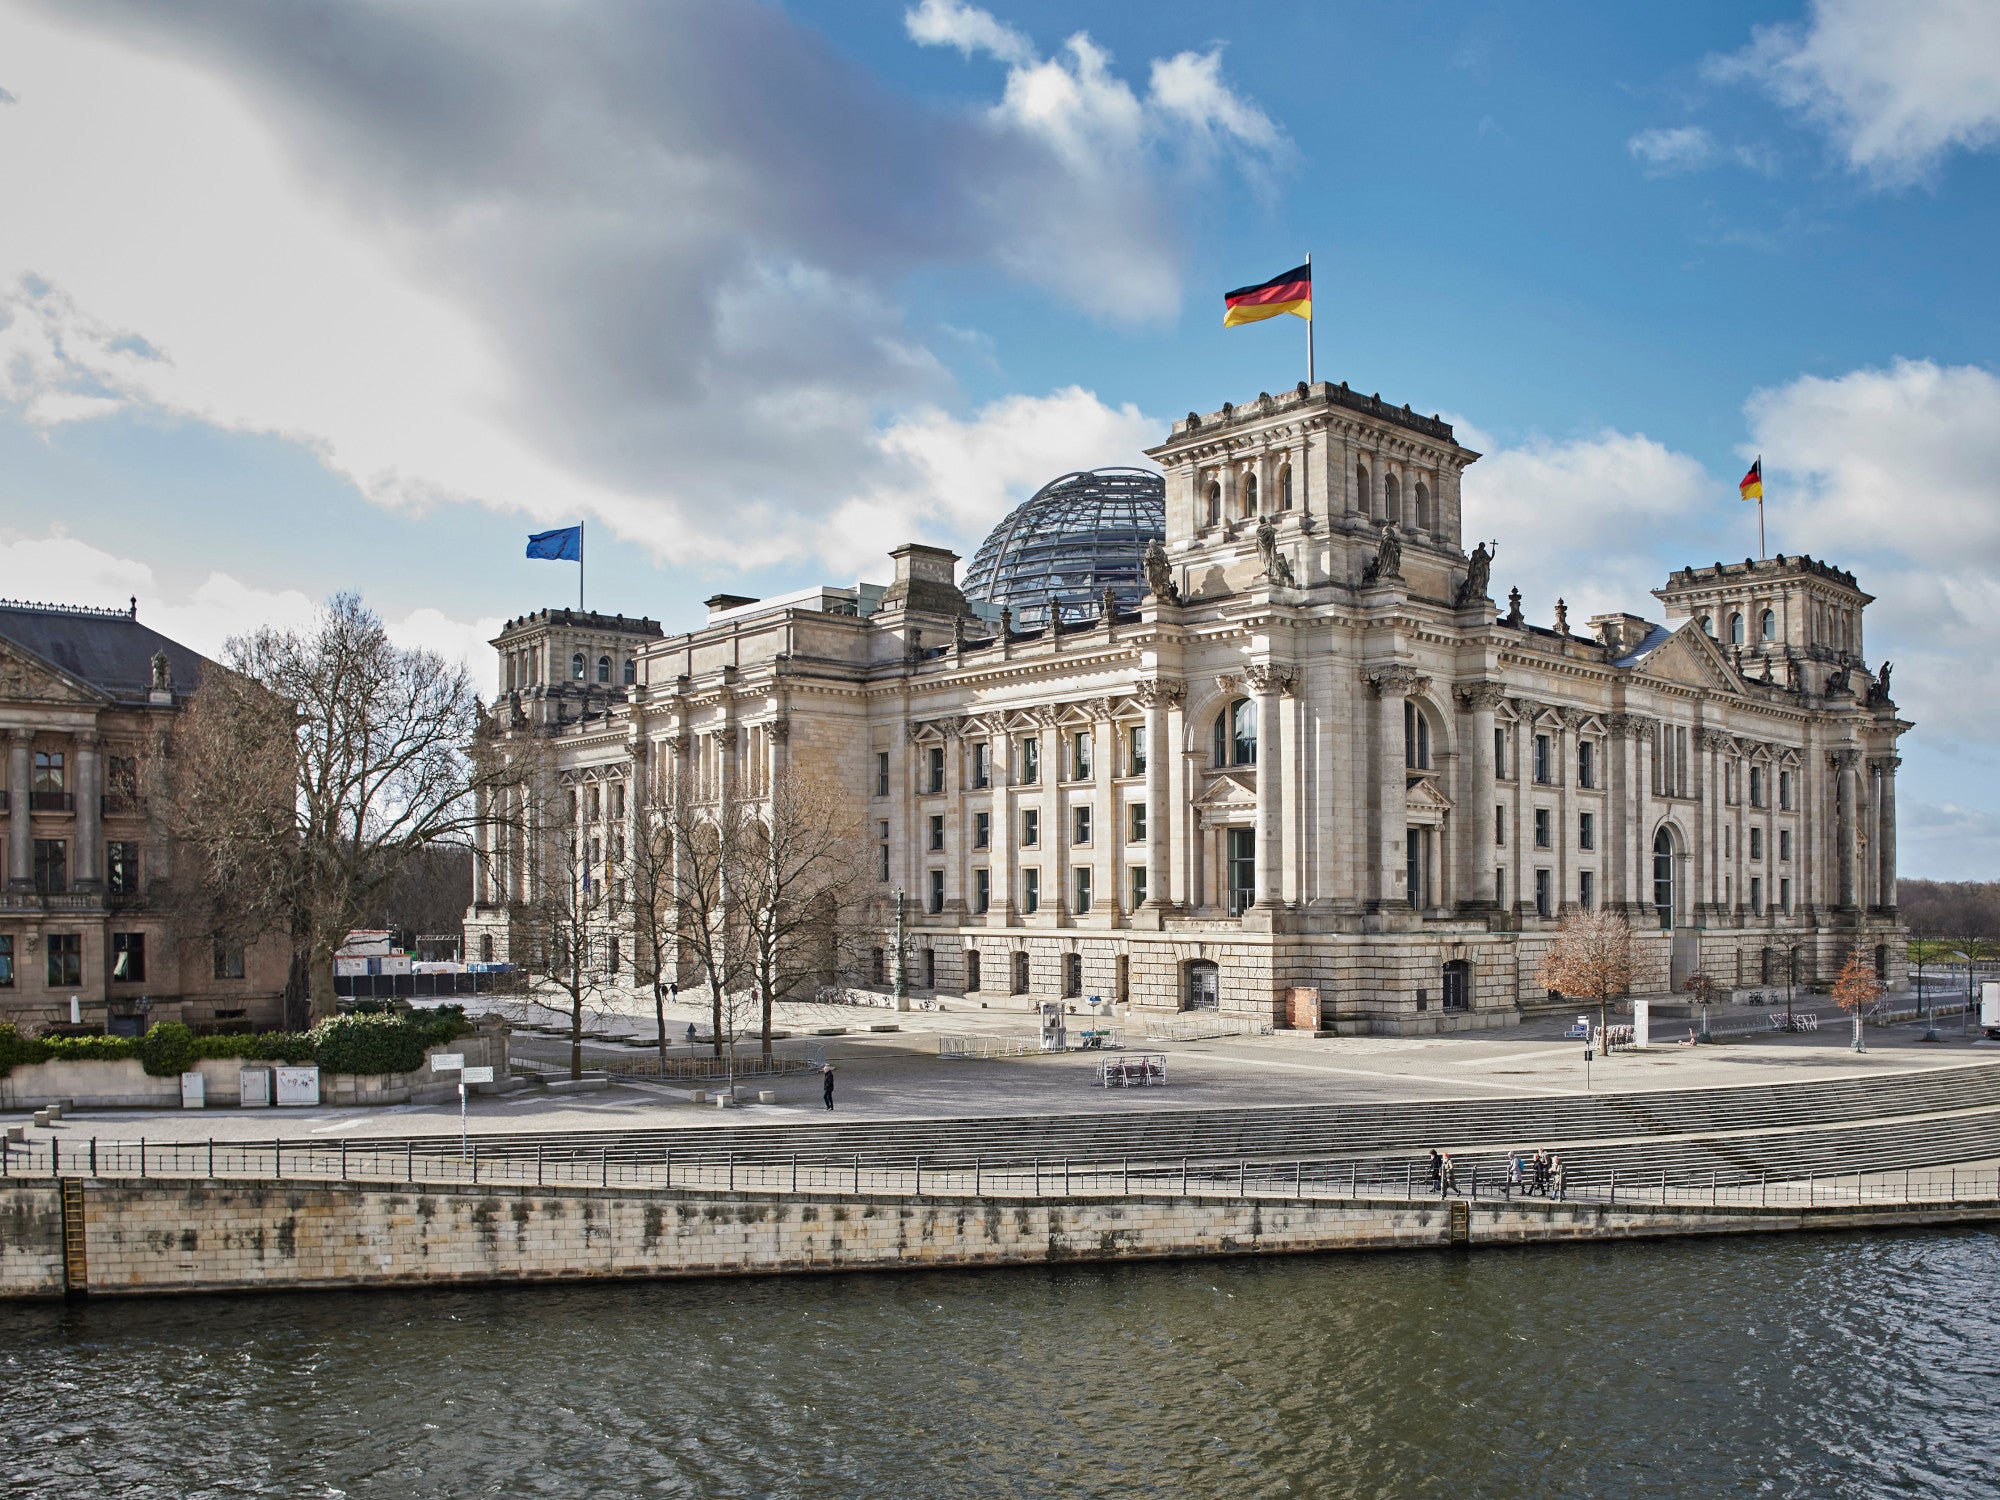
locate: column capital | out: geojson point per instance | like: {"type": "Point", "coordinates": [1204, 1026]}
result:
{"type": "Point", "coordinates": [1480, 697]}
{"type": "Point", "coordinates": [1844, 759]}
{"type": "Point", "coordinates": [1885, 764]}
{"type": "Point", "coordinates": [1160, 692]}
{"type": "Point", "coordinates": [1268, 679]}
{"type": "Point", "coordinates": [20, 738]}
{"type": "Point", "coordinates": [1397, 682]}
{"type": "Point", "coordinates": [1630, 726]}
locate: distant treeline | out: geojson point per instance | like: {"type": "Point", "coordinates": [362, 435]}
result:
{"type": "Point", "coordinates": [1956, 910]}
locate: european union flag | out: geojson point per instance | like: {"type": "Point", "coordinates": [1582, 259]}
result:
{"type": "Point", "coordinates": [565, 544]}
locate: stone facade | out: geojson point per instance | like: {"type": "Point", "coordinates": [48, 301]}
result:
{"type": "Point", "coordinates": [88, 698]}
{"type": "Point", "coordinates": [1317, 755]}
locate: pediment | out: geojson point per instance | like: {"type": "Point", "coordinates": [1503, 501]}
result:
{"type": "Point", "coordinates": [1424, 793]}
{"type": "Point", "coordinates": [1228, 789]}
{"type": "Point", "coordinates": [1690, 658]}
{"type": "Point", "coordinates": [25, 679]}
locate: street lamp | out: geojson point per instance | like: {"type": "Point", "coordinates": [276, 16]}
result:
{"type": "Point", "coordinates": [1791, 978]}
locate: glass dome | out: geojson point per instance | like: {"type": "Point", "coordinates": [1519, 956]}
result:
{"type": "Point", "coordinates": [1072, 539]}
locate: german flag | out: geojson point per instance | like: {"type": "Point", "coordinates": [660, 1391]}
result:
{"type": "Point", "coordinates": [1752, 487]}
{"type": "Point", "coordinates": [1290, 293]}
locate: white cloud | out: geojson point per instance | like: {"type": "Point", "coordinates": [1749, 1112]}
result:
{"type": "Point", "coordinates": [65, 570]}
{"type": "Point", "coordinates": [1679, 149]}
{"type": "Point", "coordinates": [648, 272]}
{"type": "Point", "coordinates": [1897, 87]}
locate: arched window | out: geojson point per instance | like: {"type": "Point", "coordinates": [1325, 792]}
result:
{"type": "Point", "coordinates": [603, 669]}
{"type": "Point", "coordinates": [1416, 737]}
{"type": "Point", "coordinates": [576, 667]}
{"type": "Point", "coordinates": [1214, 501]}
{"type": "Point", "coordinates": [1249, 505]}
{"type": "Point", "coordinates": [1767, 626]}
{"type": "Point", "coordinates": [631, 671]}
{"type": "Point", "coordinates": [1707, 626]}
{"type": "Point", "coordinates": [1236, 734]}
{"type": "Point", "coordinates": [1364, 496]}
{"type": "Point", "coordinates": [1285, 487]}
{"type": "Point", "coordinates": [1663, 877]}
{"type": "Point", "coordinates": [1735, 630]}
{"type": "Point", "coordinates": [1424, 522]}
{"type": "Point", "coordinates": [1392, 500]}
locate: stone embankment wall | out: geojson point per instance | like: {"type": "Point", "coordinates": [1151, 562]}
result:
{"type": "Point", "coordinates": [154, 1236]}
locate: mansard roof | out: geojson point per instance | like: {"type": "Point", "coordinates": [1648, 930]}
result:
{"type": "Point", "coordinates": [107, 650]}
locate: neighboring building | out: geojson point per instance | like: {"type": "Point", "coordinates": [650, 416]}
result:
{"type": "Point", "coordinates": [87, 698]}
{"type": "Point", "coordinates": [1315, 755]}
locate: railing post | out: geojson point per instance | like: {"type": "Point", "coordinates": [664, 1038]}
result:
{"type": "Point", "coordinates": [1614, 1186]}
{"type": "Point", "coordinates": [604, 1167]}
{"type": "Point", "coordinates": [93, 1156]}
{"type": "Point", "coordinates": [1125, 1178]}
{"type": "Point", "coordinates": [1183, 1176]}
{"type": "Point", "coordinates": [410, 1159]}
{"type": "Point", "coordinates": [1298, 1179]}
{"type": "Point", "coordinates": [475, 1164]}
{"type": "Point", "coordinates": [277, 1160]}
{"type": "Point", "coordinates": [142, 1153]}
{"type": "Point", "coordinates": [917, 1166]}
{"type": "Point", "coordinates": [343, 1158]}
{"type": "Point", "coordinates": [1242, 1177]}
{"type": "Point", "coordinates": [795, 1171]}
{"type": "Point", "coordinates": [978, 1172]}
{"type": "Point", "coordinates": [1065, 1176]}
{"type": "Point", "coordinates": [538, 1163]}
{"type": "Point", "coordinates": [1764, 1189]}
{"type": "Point", "coordinates": [857, 1173]}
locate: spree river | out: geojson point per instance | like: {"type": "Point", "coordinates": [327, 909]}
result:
{"type": "Point", "coordinates": [1795, 1365]}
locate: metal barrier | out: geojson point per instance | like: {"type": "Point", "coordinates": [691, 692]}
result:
{"type": "Point", "coordinates": [952, 1045]}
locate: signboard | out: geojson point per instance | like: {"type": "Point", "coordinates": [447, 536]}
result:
{"type": "Point", "coordinates": [1642, 1023]}
{"type": "Point", "coordinates": [194, 1091]}
{"type": "Point", "coordinates": [476, 1075]}
{"type": "Point", "coordinates": [297, 1085]}
{"type": "Point", "coordinates": [447, 1062]}
{"type": "Point", "coordinates": [253, 1086]}
{"type": "Point", "coordinates": [1989, 1002]}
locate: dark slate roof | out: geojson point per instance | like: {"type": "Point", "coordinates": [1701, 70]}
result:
{"type": "Point", "coordinates": [106, 649]}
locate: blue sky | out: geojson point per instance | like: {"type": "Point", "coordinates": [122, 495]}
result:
{"type": "Point", "coordinates": [353, 296]}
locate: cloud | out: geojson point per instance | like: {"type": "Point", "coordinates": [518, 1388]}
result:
{"type": "Point", "coordinates": [1946, 840]}
{"type": "Point", "coordinates": [951, 23]}
{"type": "Point", "coordinates": [1680, 149]}
{"type": "Point", "coordinates": [646, 264]}
{"type": "Point", "coordinates": [1896, 87]}
{"type": "Point", "coordinates": [1588, 520]}
{"type": "Point", "coordinates": [66, 570]}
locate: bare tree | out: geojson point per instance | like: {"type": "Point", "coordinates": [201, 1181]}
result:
{"type": "Point", "coordinates": [798, 878]}
{"type": "Point", "coordinates": [652, 893]}
{"type": "Point", "coordinates": [572, 921]}
{"type": "Point", "coordinates": [1591, 959]}
{"type": "Point", "coordinates": [1855, 990]}
{"type": "Point", "coordinates": [1704, 987]}
{"type": "Point", "coordinates": [694, 898]}
{"type": "Point", "coordinates": [305, 778]}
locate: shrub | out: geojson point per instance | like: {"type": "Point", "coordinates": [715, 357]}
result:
{"type": "Point", "coordinates": [445, 1024]}
{"type": "Point", "coordinates": [167, 1050]}
{"type": "Point", "coordinates": [17, 1050]}
{"type": "Point", "coordinates": [368, 1044]}
{"type": "Point", "coordinates": [89, 1048]}
{"type": "Point", "coordinates": [267, 1046]}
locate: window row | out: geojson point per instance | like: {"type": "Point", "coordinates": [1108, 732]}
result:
{"type": "Point", "coordinates": [1246, 495]}
{"type": "Point", "coordinates": [63, 960]}
{"type": "Point", "coordinates": [1081, 830]}
{"type": "Point", "coordinates": [1080, 893]}
{"type": "Point", "coordinates": [1078, 764]}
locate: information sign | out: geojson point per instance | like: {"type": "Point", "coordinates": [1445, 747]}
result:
{"type": "Point", "coordinates": [447, 1062]}
{"type": "Point", "coordinates": [477, 1075]}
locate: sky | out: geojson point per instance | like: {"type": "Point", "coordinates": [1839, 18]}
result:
{"type": "Point", "coordinates": [303, 298]}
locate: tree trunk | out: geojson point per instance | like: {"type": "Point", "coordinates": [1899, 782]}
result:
{"type": "Point", "coordinates": [319, 976]}
{"type": "Point", "coordinates": [576, 1020]}
{"type": "Point", "coordinates": [765, 986]}
{"type": "Point", "coordinates": [715, 1010]}
{"type": "Point", "coordinates": [660, 1017]}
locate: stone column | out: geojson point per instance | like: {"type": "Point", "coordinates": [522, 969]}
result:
{"type": "Point", "coordinates": [1156, 698]}
{"type": "Point", "coordinates": [1267, 682]}
{"type": "Point", "coordinates": [1478, 795]}
{"type": "Point", "coordinates": [482, 847]}
{"type": "Point", "coordinates": [20, 841]}
{"type": "Point", "coordinates": [1885, 833]}
{"type": "Point", "coordinates": [1107, 901]}
{"type": "Point", "coordinates": [1847, 849]}
{"type": "Point", "coordinates": [1004, 831]}
{"type": "Point", "coordinates": [1391, 686]}
{"type": "Point", "coordinates": [86, 863]}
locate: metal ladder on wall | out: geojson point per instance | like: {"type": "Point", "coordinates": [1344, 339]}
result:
{"type": "Point", "coordinates": [76, 1262]}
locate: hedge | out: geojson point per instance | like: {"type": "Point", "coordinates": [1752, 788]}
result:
{"type": "Point", "coordinates": [343, 1044]}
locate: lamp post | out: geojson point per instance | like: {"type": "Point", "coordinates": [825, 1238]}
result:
{"type": "Point", "coordinates": [899, 979]}
{"type": "Point", "coordinates": [1791, 978]}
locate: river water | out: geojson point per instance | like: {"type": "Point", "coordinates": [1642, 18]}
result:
{"type": "Point", "coordinates": [1795, 1365]}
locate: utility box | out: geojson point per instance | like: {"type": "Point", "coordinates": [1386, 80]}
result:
{"type": "Point", "coordinates": [194, 1091]}
{"type": "Point", "coordinates": [1302, 1007]}
{"type": "Point", "coordinates": [253, 1088]}
{"type": "Point", "coordinates": [297, 1085]}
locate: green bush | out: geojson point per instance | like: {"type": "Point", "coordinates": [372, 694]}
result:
{"type": "Point", "coordinates": [89, 1048]}
{"type": "Point", "coordinates": [265, 1046]}
{"type": "Point", "coordinates": [167, 1050]}
{"type": "Point", "coordinates": [445, 1024]}
{"type": "Point", "coordinates": [368, 1044]}
{"type": "Point", "coordinates": [17, 1051]}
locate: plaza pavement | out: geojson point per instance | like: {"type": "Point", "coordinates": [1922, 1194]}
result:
{"type": "Point", "coordinates": [898, 1075]}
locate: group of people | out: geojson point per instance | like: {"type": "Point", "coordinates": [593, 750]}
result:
{"type": "Point", "coordinates": [1541, 1173]}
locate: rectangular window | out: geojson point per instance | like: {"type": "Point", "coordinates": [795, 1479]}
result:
{"type": "Point", "coordinates": [1784, 843]}
{"type": "Point", "coordinates": [1500, 766]}
{"type": "Point", "coordinates": [51, 865]}
{"type": "Point", "coordinates": [1784, 895]}
{"type": "Point", "coordinates": [982, 767]}
{"type": "Point", "coordinates": [1756, 893]}
{"type": "Point", "coordinates": [1542, 893]}
{"type": "Point", "coordinates": [1079, 756]}
{"type": "Point", "coordinates": [229, 960]}
{"type": "Point", "coordinates": [1500, 885]}
{"type": "Point", "coordinates": [128, 957]}
{"type": "Point", "coordinates": [930, 968]}
{"type": "Point", "coordinates": [1031, 890]}
{"type": "Point", "coordinates": [1138, 878]}
{"type": "Point", "coordinates": [1500, 827]}
{"type": "Point", "coordinates": [882, 871]}
{"type": "Point", "coordinates": [934, 769]}
{"type": "Point", "coordinates": [6, 962]}
{"type": "Point", "coordinates": [1586, 763]}
{"type": "Point", "coordinates": [121, 868]}
{"type": "Point", "coordinates": [881, 773]}
{"type": "Point", "coordinates": [1135, 750]}
{"type": "Point", "coordinates": [1785, 790]}
{"type": "Point", "coordinates": [1242, 870]}
{"type": "Point", "coordinates": [121, 776]}
{"type": "Point", "coordinates": [1135, 823]}
{"type": "Point", "coordinates": [982, 893]}
{"type": "Point", "coordinates": [1586, 889]}
{"type": "Point", "coordinates": [1542, 824]}
{"type": "Point", "coordinates": [65, 959]}
{"type": "Point", "coordinates": [1080, 887]}
{"type": "Point", "coordinates": [1079, 825]}
{"type": "Point", "coordinates": [972, 968]}
{"type": "Point", "coordinates": [937, 892]}
{"type": "Point", "coordinates": [1031, 828]}
{"type": "Point", "coordinates": [1586, 831]}
{"type": "Point", "coordinates": [1031, 760]}
{"type": "Point", "coordinates": [1756, 843]}
{"type": "Point", "coordinates": [982, 830]}
{"type": "Point", "coordinates": [1542, 770]}
{"type": "Point", "coordinates": [937, 832]}
{"type": "Point", "coordinates": [48, 770]}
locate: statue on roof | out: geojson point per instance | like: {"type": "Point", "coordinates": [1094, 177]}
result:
{"type": "Point", "coordinates": [163, 673]}
{"type": "Point", "coordinates": [1389, 553]}
{"type": "Point", "coordinates": [1276, 569]}
{"type": "Point", "coordinates": [1160, 574]}
{"type": "Point", "coordinates": [1478, 574]}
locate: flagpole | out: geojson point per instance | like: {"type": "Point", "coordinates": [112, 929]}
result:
{"type": "Point", "coordinates": [1761, 553]}
{"type": "Point", "coordinates": [1309, 323]}
{"type": "Point", "coordinates": [579, 565]}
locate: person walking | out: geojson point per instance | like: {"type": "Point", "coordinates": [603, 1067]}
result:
{"type": "Point", "coordinates": [1558, 1185]}
{"type": "Point", "coordinates": [1437, 1171]}
{"type": "Point", "coordinates": [826, 1084]}
{"type": "Point", "coordinates": [1541, 1171]}
{"type": "Point", "coordinates": [1450, 1174]}
{"type": "Point", "coordinates": [1513, 1173]}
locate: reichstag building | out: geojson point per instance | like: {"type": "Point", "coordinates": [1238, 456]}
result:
{"type": "Point", "coordinates": [1254, 725]}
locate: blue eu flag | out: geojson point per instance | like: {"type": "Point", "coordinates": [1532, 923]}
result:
{"type": "Point", "coordinates": [565, 544]}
